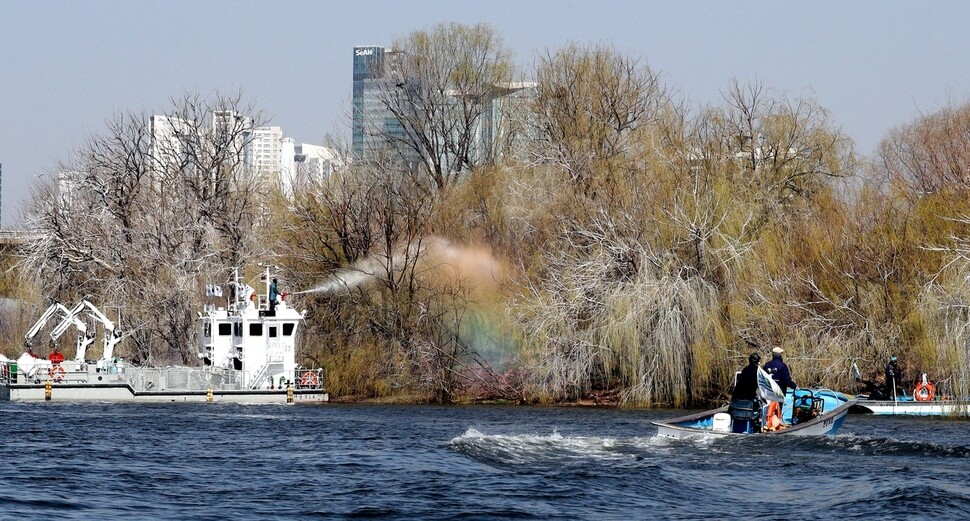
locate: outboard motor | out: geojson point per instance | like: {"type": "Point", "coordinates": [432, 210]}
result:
{"type": "Point", "coordinates": [746, 415]}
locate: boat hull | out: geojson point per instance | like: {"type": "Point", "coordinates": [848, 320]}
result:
{"type": "Point", "coordinates": [913, 408]}
{"type": "Point", "coordinates": [122, 383]}
{"type": "Point", "coordinates": [123, 392]}
{"type": "Point", "coordinates": [697, 425]}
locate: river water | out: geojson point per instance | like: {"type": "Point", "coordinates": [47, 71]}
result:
{"type": "Point", "coordinates": [216, 461]}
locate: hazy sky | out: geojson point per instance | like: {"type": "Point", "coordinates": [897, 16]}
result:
{"type": "Point", "coordinates": [67, 66]}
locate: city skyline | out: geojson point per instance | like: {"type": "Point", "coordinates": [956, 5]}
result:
{"type": "Point", "coordinates": [69, 67]}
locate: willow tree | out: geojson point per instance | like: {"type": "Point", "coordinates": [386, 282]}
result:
{"type": "Point", "coordinates": [682, 222]}
{"type": "Point", "coordinates": [932, 153]}
{"type": "Point", "coordinates": [589, 112]}
{"type": "Point", "coordinates": [761, 188]}
{"type": "Point", "coordinates": [777, 151]}
{"type": "Point", "coordinates": [147, 212]}
{"type": "Point", "coordinates": [603, 308]}
{"type": "Point", "coordinates": [928, 168]}
{"type": "Point", "coordinates": [944, 307]}
{"type": "Point", "coordinates": [439, 87]}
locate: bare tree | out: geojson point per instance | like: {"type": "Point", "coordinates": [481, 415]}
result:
{"type": "Point", "coordinates": [778, 149]}
{"type": "Point", "coordinates": [590, 110]}
{"type": "Point", "coordinates": [439, 86]}
{"type": "Point", "coordinates": [930, 154]}
{"type": "Point", "coordinates": [146, 213]}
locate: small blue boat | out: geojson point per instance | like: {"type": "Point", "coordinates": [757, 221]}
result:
{"type": "Point", "coordinates": [806, 412]}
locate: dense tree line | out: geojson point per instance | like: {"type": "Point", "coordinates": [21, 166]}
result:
{"type": "Point", "coordinates": [621, 241]}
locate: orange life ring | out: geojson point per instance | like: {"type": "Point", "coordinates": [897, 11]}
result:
{"type": "Point", "coordinates": [57, 372]}
{"type": "Point", "coordinates": [924, 392]}
{"type": "Point", "coordinates": [309, 379]}
{"type": "Point", "coordinates": [773, 417]}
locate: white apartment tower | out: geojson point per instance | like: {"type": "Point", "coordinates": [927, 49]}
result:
{"type": "Point", "coordinates": [170, 141]}
{"type": "Point", "coordinates": [273, 159]}
{"type": "Point", "coordinates": [264, 152]}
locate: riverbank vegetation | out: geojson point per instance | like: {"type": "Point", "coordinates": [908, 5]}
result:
{"type": "Point", "coordinates": [620, 242]}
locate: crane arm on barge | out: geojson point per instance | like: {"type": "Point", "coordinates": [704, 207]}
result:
{"type": "Point", "coordinates": [84, 338]}
{"type": "Point", "coordinates": [111, 336]}
{"type": "Point", "coordinates": [42, 321]}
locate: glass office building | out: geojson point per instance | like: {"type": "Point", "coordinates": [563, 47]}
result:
{"type": "Point", "coordinates": [493, 131]}
{"type": "Point", "coordinates": [370, 116]}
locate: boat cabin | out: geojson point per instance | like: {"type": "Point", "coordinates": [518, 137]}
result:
{"type": "Point", "coordinates": [249, 335]}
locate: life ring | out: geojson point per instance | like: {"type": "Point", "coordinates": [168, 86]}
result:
{"type": "Point", "coordinates": [773, 417]}
{"type": "Point", "coordinates": [57, 373]}
{"type": "Point", "coordinates": [924, 392]}
{"type": "Point", "coordinates": [309, 379]}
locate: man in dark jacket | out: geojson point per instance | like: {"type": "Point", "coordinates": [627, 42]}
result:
{"type": "Point", "coordinates": [746, 386]}
{"type": "Point", "coordinates": [745, 409]}
{"type": "Point", "coordinates": [779, 371]}
{"type": "Point", "coordinates": [894, 377]}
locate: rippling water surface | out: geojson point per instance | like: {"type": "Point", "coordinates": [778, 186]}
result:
{"type": "Point", "coordinates": [125, 461]}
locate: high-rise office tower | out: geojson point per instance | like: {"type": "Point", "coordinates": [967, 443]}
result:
{"type": "Point", "coordinates": [372, 122]}
{"type": "Point", "coordinates": [496, 130]}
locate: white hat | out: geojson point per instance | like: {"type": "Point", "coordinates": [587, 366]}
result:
{"type": "Point", "coordinates": [778, 350]}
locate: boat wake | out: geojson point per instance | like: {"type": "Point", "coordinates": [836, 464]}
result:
{"type": "Point", "coordinates": [554, 448]}
{"type": "Point", "coordinates": [847, 444]}
{"type": "Point", "coordinates": [843, 443]}
{"type": "Point", "coordinates": [881, 446]}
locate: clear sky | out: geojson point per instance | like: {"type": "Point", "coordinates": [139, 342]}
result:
{"type": "Point", "coordinates": [67, 66]}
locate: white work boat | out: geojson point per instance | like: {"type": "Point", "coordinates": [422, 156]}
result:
{"type": "Point", "coordinates": [247, 355]}
{"type": "Point", "coordinates": [924, 401]}
{"type": "Point", "coordinates": [806, 412]}
{"type": "Point", "coordinates": [910, 407]}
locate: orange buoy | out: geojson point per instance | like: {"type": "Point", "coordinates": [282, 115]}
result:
{"type": "Point", "coordinates": [924, 392]}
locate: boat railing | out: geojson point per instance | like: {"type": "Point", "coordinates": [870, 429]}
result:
{"type": "Point", "coordinates": [309, 378]}
{"type": "Point", "coordinates": [821, 391]}
{"type": "Point", "coordinates": [8, 372]}
{"type": "Point", "coordinates": [831, 400]}
{"type": "Point", "coordinates": [183, 378]}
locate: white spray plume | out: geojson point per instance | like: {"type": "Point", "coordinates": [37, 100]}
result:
{"type": "Point", "coordinates": [438, 256]}
{"type": "Point", "coordinates": [346, 279]}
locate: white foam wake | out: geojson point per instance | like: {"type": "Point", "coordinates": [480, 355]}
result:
{"type": "Point", "coordinates": [532, 448]}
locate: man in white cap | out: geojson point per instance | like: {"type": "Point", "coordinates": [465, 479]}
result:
{"type": "Point", "coordinates": [779, 371]}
